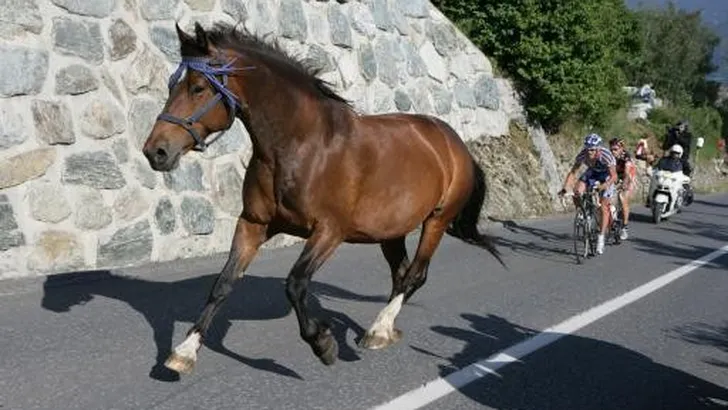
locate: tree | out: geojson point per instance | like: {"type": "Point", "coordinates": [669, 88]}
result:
{"type": "Point", "coordinates": [677, 51]}
{"type": "Point", "coordinates": [564, 55]}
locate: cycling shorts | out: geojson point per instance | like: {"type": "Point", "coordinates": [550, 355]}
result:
{"type": "Point", "coordinates": [590, 177]}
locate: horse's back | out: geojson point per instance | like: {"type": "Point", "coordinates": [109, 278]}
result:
{"type": "Point", "coordinates": [412, 162]}
{"type": "Point", "coordinates": [415, 133]}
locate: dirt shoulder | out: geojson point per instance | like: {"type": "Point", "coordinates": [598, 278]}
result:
{"type": "Point", "coordinates": [519, 189]}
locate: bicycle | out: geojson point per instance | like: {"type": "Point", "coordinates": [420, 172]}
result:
{"type": "Point", "coordinates": [587, 226]}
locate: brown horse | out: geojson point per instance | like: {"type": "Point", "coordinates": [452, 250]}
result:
{"type": "Point", "coordinates": [319, 171]}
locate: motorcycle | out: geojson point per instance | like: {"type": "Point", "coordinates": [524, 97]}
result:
{"type": "Point", "coordinates": [667, 193]}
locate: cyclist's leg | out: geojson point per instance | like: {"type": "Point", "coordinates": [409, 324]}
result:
{"type": "Point", "coordinates": [605, 199]}
{"type": "Point", "coordinates": [626, 195]}
{"type": "Point", "coordinates": [579, 189]}
{"type": "Point", "coordinates": [624, 198]}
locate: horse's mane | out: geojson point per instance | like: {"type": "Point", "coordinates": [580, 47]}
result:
{"type": "Point", "coordinates": [224, 35]}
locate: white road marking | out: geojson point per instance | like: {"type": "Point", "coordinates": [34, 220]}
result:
{"type": "Point", "coordinates": [443, 386]}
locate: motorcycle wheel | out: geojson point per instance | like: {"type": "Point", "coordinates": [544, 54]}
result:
{"type": "Point", "coordinates": [656, 213]}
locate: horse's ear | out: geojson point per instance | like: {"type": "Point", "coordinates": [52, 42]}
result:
{"type": "Point", "coordinates": [201, 36]}
{"type": "Point", "coordinates": [184, 38]}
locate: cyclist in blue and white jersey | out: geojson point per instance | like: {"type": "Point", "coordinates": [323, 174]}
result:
{"type": "Point", "coordinates": [602, 168]}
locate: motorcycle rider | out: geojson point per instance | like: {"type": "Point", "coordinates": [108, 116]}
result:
{"type": "Point", "coordinates": [601, 167]}
{"type": "Point", "coordinates": [626, 172]}
{"type": "Point", "coordinates": [673, 161]}
{"type": "Point", "coordinates": [681, 135]}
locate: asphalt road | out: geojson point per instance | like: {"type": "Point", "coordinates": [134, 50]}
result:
{"type": "Point", "coordinates": [96, 340]}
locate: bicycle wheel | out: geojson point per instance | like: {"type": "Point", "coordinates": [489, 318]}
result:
{"type": "Point", "coordinates": [618, 223]}
{"type": "Point", "coordinates": [581, 237]}
{"type": "Point", "coordinates": [592, 232]}
{"type": "Point", "coordinates": [616, 230]}
{"type": "Point", "coordinates": [615, 226]}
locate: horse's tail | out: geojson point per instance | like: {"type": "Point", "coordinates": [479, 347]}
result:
{"type": "Point", "coordinates": [465, 224]}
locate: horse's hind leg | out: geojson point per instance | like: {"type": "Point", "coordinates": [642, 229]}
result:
{"type": "Point", "coordinates": [395, 252]}
{"type": "Point", "coordinates": [316, 333]}
{"type": "Point", "coordinates": [382, 332]}
{"type": "Point", "coordinates": [246, 242]}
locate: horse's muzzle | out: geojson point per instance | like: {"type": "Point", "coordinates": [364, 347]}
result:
{"type": "Point", "coordinates": [161, 157]}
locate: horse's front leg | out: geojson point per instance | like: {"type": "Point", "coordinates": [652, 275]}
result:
{"type": "Point", "coordinates": [316, 333]}
{"type": "Point", "coordinates": [247, 240]}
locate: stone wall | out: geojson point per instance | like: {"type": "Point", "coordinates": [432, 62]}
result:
{"type": "Point", "coordinates": [82, 81]}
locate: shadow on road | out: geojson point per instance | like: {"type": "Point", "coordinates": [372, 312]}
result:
{"type": "Point", "coordinates": [704, 334]}
{"type": "Point", "coordinates": [709, 203]}
{"type": "Point", "coordinates": [573, 373]}
{"type": "Point", "coordinates": [533, 231]}
{"type": "Point", "coordinates": [164, 303]}
{"type": "Point", "coordinates": [705, 228]}
{"type": "Point", "coordinates": [693, 220]}
{"type": "Point", "coordinates": [640, 217]}
{"type": "Point", "coordinates": [682, 252]}
{"type": "Point", "coordinates": [535, 242]}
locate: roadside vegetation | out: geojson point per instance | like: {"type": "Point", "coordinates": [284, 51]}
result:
{"type": "Point", "coordinates": [571, 59]}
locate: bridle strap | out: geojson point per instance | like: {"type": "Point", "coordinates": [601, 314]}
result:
{"type": "Point", "coordinates": [187, 123]}
{"type": "Point", "coordinates": [210, 69]}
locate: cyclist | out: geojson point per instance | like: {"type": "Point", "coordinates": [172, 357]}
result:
{"type": "Point", "coordinates": [601, 168]}
{"type": "Point", "coordinates": [626, 172]}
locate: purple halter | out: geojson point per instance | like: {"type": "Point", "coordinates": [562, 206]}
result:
{"type": "Point", "coordinates": [210, 68]}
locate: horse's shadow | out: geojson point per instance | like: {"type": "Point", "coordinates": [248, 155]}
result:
{"type": "Point", "coordinates": [164, 303]}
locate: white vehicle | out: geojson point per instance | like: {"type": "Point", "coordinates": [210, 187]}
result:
{"type": "Point", "coordinates": [666, 193]}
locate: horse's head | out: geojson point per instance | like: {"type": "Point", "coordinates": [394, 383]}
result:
{"type": "Point", "coordinates": [63, 291]}
{"type": "Point", "coordinates": [201, 100]}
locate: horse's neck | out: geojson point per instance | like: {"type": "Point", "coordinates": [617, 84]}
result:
{"type": "Point", "coordinates": [277, 125]}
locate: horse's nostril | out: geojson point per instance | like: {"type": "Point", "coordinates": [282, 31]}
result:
{"type": "Point", "coordinates": [161, 155]}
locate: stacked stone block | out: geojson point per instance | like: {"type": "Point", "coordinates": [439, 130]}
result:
{"type": "Point", "coordinates": [81, 83]}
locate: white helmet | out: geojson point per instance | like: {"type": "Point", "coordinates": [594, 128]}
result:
{"type": "Point", "coordinates": [677, 149]}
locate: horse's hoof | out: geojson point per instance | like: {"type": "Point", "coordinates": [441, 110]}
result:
{"type": "Point", "coordinates": [325, 347]}
{"type": "Point", "coordinates": [328, 356]}
{"type": "Point", "coordinates": [375, 341]}
{"type": "Point", "coordinates": [179, 364]}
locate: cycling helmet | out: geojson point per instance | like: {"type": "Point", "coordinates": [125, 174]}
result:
{"type": "Point", "coordinates": [592, 141]}
{"type": "Point", "coordinates": [617, 141]}
{"type": "Point", "coordinates": [677, 149]}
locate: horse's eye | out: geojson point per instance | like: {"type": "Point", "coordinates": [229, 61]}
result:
{"type": "Point", "coordinates": [196, 89]}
